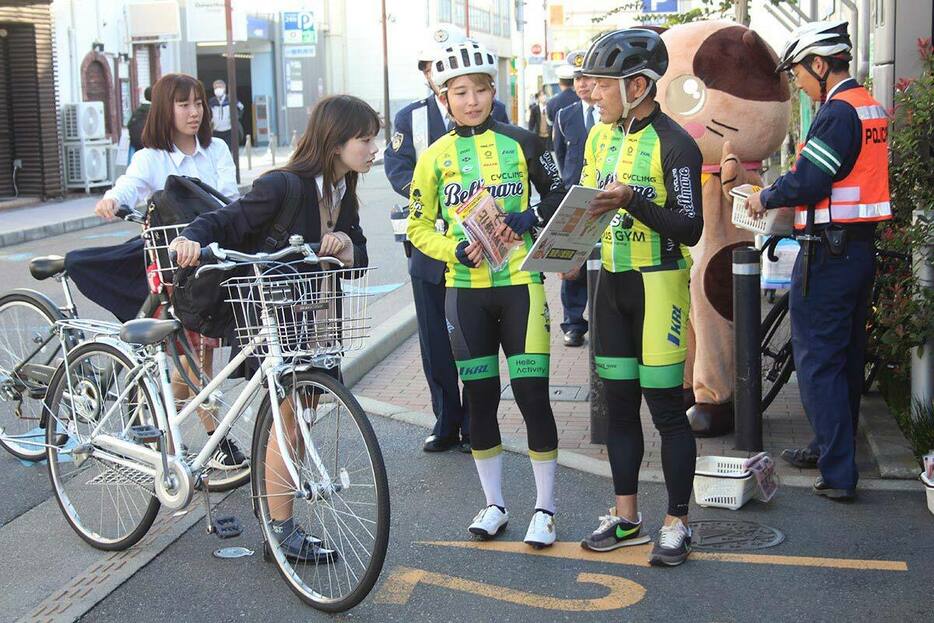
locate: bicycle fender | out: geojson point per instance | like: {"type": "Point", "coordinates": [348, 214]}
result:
{"type": "Point", "coordinates": [43, 298]}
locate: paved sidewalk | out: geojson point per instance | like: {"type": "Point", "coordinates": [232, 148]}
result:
{"type": "Point", "coordinates": [399, 380]}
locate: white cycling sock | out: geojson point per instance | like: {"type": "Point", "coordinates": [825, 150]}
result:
{"type": "Point", "coordinates": [490, 469]}
{"type": "Point", "coordinates": [544, 471]}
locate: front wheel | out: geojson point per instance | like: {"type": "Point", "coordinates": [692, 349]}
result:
{"type": "Point", "coordinates": [342, 497]}
{"type": "Point", "coordinates": [777, 359]}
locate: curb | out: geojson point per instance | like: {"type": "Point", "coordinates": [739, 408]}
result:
{"type": "Point", "coordinates": [892, 451]}
{"type": "Point", "coordinates": [590, 465]}
{"type": "Point", "coordinates": [385, 338]}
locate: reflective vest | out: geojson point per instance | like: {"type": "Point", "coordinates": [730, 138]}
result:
{"type": "Point", "coordinates": [863, 195]}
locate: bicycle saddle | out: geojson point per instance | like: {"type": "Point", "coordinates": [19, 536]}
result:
{"type": "Point", "coordinates": [148, 330]}
{"type": "Point", "coordinates": [46, 266]}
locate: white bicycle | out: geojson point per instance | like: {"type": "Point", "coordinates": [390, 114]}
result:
{"type": "Point", "coordinates": [117, 452]}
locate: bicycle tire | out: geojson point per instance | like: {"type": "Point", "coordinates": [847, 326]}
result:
{"type": "Point", "coordinates": [13, 352]}
{"type": "Point", "coordinates": [380, 510]}
{"type": "Point", "coordinates": [777, 364]}
{"type": "Point", "coordinates": [59, 413]}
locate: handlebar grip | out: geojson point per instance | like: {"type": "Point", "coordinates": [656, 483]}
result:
{"type": "Point", "coordinates": [207, 256]}
{"type": "Point", "coordinates": [123, 211]}
{"type": "Point", "coordinates": [316, 247]}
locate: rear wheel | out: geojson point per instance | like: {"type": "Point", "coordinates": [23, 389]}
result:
{"type": "Point", "coordinates": [342, 499]}
{"type": "Point", "coordinates": [29, 354]}
{"type": "Point", "coordinates": [109, 505]}
{"type": "Point", "coordinates": [777, 360]}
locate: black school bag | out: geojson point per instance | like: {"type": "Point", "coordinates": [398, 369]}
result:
{"type": "Point", "coordinates": [199, 301]}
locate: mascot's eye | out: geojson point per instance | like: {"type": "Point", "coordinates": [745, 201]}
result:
{"type": "Point", "coordinates": [686, 95]}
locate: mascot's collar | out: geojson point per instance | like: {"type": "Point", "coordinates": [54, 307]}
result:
{"type": "Point", "coordinates": [714, 169]}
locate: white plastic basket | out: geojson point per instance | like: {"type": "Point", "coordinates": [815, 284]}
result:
{"type": "Point", "coordinates": [776, 222]}
{"type": "Point", "coordinates": [721, 482]}
{"type": "Point", "coordinates": [929, 488]}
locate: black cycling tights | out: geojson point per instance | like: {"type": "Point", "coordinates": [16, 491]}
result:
{"type": "Point", "coordinates": [625, 444]}
{"type": "Point", "coordinates": [532, 399]}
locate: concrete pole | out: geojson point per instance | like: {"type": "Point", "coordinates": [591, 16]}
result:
{"type": "Point", "coordinates": [232, 90]}
{"type": "Point", "coordinates": [387, 122]}
{"type": "Point", "coordinates": [742, 12]}
{"type": "Point", "coordinates": [922, 359]}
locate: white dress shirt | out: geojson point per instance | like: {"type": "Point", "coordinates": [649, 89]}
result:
{"type": "Point", "coordinates": [149, 169]}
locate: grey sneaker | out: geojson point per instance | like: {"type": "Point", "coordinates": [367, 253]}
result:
{"type": "Point", "coordinates": [673, 545]}
{"type": "Point", "coordinates": [615, 532]}
{"type": "Point", "coordinates": [298, 545]}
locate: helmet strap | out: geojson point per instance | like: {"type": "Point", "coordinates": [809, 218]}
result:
{"type": "Point", "coordinates": [821, 80]}
{"type": "Point", "coordinates": [627, 105]}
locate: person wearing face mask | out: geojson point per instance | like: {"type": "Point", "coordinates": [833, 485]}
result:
{"type": "Point", "coordinates": [491, 309]}
{"type": "Point", "coordinates": [649, 169]}
{"type": "Point", "coordinates": [417, 126]}
{"type": "Point", "coordinates": [220, 113]}
{"type": "Point", "coordinates": [572, 125]}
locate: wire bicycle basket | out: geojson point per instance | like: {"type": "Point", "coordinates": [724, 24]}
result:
{"type": "Point", "coordinates": [302, 312]}
{"type": "Point", "coordinates": [156, 241]}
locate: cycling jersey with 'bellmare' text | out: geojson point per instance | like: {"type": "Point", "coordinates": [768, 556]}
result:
{"type": "Point", "coordinates": [502, 158]}
{"type": "Point", "coordinates": [662, 164]}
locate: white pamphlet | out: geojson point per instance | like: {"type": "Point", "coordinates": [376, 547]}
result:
{"type": "Point", "coordinates": [570, 236]}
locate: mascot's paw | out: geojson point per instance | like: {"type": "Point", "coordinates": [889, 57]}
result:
{"type": "Point", "coordinates": [709, 420]}
{"type": "Point", "coordinates": [732, 173]}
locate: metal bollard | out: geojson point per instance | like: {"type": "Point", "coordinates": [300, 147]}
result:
{"type": "Point", "coordinates": [272, 148]}
{"type": "Point", "coordinates": [747, 322]}
{"type": "Point", "coordinates": [922, 359]}
{"type": "Point", "coordinates": [599, 417]}
{"type": "Point", "coordinates": [249, 152]}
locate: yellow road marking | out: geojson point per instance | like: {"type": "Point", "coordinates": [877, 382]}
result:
{"type": "Point", "coordinates": [402, 581]}
{"type": "Point", "coordinates": [638, 556]}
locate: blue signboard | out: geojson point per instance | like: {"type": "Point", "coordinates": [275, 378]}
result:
{"type": "Point", "coordinates": [298, 28]}
{"type": "Point", "coordinates": [660, 6]}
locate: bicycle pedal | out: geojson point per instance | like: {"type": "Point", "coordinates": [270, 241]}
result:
{"type": "Point", "coordinates": [145, 434]}
{"type": "Point", "coordinates": [226, 527]}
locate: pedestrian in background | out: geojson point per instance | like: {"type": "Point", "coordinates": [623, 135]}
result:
{"type": "Point", "coordinates": [491, 309]}
{"type": "Point", "coordinates": [220, 113]}
{"type": "Point", "coordinates": [417, 126]}
{"type": "Point", "coordinates": [572, 125]}
{"type": "Point", "coordinates": [840, 185]}
{"type": "Point", "coordinates": [566, 94]}
{"type": "Point", "coordinates": [538, 120]}
{"type": "Point", "coordinates": [177, 141]}
{"type": "Point", "coordinates": [137, 122]}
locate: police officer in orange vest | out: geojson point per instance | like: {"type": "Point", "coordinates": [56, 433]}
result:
{"type": "Point", "coordinates": [840, 187]}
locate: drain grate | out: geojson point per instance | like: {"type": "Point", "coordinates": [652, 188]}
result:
{"type": "Point", "coordinates": [729, 536]}
{"type": "Point", "coordinates": [558, 393]}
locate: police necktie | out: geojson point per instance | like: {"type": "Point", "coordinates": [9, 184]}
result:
{"type": "Point", "coordinates": [588, 122]}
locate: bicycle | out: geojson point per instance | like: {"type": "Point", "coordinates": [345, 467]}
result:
{"type": "Point", "coordinates": [113, 459]}
{"type": "Point", "coordinates": [35, 333]}
{"type": "Point", "coordinates": [776, 347]}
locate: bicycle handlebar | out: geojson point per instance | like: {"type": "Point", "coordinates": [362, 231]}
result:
{"type": "Point", "coordinates": [129, 214]}
{"type": "Point", "coordinates": [213, 257]}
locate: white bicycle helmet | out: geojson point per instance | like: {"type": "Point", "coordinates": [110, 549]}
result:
{"type": "Point", "coordinates": [441, 36]}
{"type": "Point", "coordinates": [460, 60]}
{"type": "Point", "coordinates": [828, 39]}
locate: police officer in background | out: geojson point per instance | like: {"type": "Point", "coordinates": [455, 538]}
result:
{"type": "Point", "coordinates": [572, 124]}
{"type": "Point", "coordinates": [566, 96]}
{"type": "Point", "coordinates": [417, 126]}
{"type": "Point", "coordinates": [840, 185]}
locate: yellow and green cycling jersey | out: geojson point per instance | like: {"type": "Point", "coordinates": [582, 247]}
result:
{"type": "Point", "coordinates": [502, 158]}
{"type": "Point", "coordinates": [662, 164]}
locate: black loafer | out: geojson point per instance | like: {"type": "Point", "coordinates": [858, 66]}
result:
{"type": "Point", "coordinates": [802, 458]}
{"type": "Point", "coordinates": [440, 444]}
{"type": "Point", "coordinates": [822, 488]}
{"type": "Point", "coordinates": [573, 339]}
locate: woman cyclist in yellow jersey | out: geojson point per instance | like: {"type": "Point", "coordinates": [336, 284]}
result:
{"type": "Point", "coordinates": [489, 309]}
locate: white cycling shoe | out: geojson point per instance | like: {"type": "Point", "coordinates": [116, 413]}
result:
{"type": "Point", "coordinates": [489, 522]}
{"type": "Point", "coordinates": [541, 530]}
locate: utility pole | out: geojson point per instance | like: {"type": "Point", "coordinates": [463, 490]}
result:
{"type": "Point", "coordinates": [742, 12]}
{"type": "Point", "coordinates": [232, 91]}
{"type": "Point", "coordinates": [386, 121]}
{"type": "Point", "coordinates": [467, 17]}
{"type": "Point", "coordinates": [545, 7]}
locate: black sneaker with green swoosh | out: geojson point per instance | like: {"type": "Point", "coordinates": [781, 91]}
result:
{"type": "Point", "coordinates": [615, 532]}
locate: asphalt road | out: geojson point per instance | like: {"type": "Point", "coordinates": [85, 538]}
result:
{"type": "Point", "coordinates": [434, 497]}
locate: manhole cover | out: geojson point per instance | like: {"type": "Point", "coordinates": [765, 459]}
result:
{"type": "Point", "coordinates": [734, 535]}
{"type": "Point", "coordinates": [558, 393]}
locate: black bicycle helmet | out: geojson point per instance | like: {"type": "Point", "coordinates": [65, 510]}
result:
{"type": "Point", "coordinates": [626, 53]}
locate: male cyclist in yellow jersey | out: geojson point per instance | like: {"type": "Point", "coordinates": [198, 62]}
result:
{"type": "Point", "coordinates": [487, 309]}
{"type": "Point", "coordinates": [649, 169]}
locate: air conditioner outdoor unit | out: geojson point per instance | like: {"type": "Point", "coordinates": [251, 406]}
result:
{"type": "Point", "coordinates": [84, 121]}
{"type": "Point", "coordinates": [86, 164]}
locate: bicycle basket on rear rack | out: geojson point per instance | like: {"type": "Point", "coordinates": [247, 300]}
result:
{"type": "Point", "coordinates": [301, 313]}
